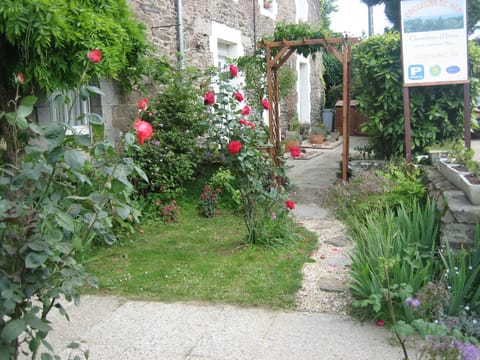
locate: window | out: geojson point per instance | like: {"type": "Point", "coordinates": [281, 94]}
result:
{"type": "Point", "coordinates": [69, 108]}
{"type": "Point", "coordinates": [302, 10]}
{"type": "Point", "coordinates": [268, 8]}
{"type": "Point", "coordinates": [303, 89]}
{"type": "Point", "coordinates": [224, 51]}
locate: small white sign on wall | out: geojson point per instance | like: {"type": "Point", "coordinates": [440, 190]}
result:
{"type": "Point", "coordinates": [434, 42]}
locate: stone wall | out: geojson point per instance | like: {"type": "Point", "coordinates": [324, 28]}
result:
{"type": "Point", "coordinates": [458, 216]}
{"type": "Point", "coordinates": [247, 17]}
{"type": "Point", "coordinates": [243, 15]}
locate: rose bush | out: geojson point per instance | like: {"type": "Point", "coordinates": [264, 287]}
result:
{"type": "Point", "coordinates": [241, 141]}
{"type": "Point", "coordinates": [64, 194]}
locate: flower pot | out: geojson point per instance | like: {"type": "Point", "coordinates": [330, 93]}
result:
{"type": "Point", "coordinates": [317, 139]}
{"type": "Point", "coordinates": [460, 180]}
{"type": "Point", "coordinates": [436, 155]}
{"type": "Point", "coordinates": [290, 143]}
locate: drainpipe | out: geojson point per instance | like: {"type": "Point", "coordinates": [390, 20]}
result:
{"type": "Point", "coordinates": [254, 25]}
{"type": "Point", "coordinates": [181, 46]}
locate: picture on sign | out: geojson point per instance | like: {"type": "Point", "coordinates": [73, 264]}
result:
{"type": "Point", "coordinates": [434, 41]}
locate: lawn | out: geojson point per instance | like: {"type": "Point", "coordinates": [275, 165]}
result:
{"type": "Point", "coordinates": [200, 259]}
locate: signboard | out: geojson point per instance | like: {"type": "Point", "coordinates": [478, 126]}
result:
{"type": "Point", "coordinates": [434, 42]}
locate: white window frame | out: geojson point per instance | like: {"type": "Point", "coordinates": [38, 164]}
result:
{"type": "Point", "coordinates": [224, 34]}
{"type": "Point", "coordinates": [301, 13]}
{"type": "Point", "coordinates": [271, 12]}
{"type": "Point", "coordinates": [303, 90]}
{"type": "Point", "coordinates": [68, 114]}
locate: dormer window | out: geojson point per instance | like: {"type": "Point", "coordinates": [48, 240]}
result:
{"type": "Point", "coordinates": [268, 8]}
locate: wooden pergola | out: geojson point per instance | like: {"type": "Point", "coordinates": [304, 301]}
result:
{"type": "Point", "coordinates": [275, 61]}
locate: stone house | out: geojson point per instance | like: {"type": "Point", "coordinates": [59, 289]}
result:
{"type": "Point", "coordinates": [208, 32]}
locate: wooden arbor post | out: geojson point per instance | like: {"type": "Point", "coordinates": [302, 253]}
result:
{"type": "Point", "coordinates": [274, 60]}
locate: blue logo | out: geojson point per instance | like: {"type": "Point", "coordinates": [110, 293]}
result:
{"type": "Point", "coordinates": [416, 72]}
{"type": "Point", "coordinates": [453, 69]}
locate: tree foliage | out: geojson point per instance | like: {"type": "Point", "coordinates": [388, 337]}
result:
{"type": "Point", "coordinates": [48, 41]}
{"type": "Point", "coordinates": [392, 11]}
{"type": "Point", "coordinates": [436, 111]}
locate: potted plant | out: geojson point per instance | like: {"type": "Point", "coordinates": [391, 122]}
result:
{"type": "Point", "coordinates": [462, 171]}
{"type": "Point", "coordinates": [293, 130]}
{"type": "Point", "coordinates": [318, 133]}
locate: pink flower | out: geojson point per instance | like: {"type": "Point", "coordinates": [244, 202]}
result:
{"type": "Point", "coordinates": [380, 322]}
{"type": "Point", "coordinates": [95, 56]}
{"type": "Point", "coordinates": [265, 104]}
{"type": "Point", "coordinates": [233, 70]}
{"type": "Point", "coordinates": [20, 79]}
{"type": "Point", "coordinates": [243, 122]}
{"type": "Point", "coordinates": [290, 204]}
{"type": "Point", "coordinates": [143, 104]}
{"type": "Point", "coordinates": [209, 98]}
{"type": "Point", "coordinates": [144, 130]}
{"type": "Point", "coordinates": [238, 96]}
{"type": "Point", "coordinates": [295, 151]}
{"type": "Point", "coordinates": [234, 147]}
{"type": "Point", "coordinates": [246, 110]}
{"type": "Point", "coordinates": [251, 124]}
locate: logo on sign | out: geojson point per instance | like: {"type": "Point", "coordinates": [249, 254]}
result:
{"type": "Point", "coordinates": [453, 69]}
{"type": "Point", "coordinates": [416, 72]}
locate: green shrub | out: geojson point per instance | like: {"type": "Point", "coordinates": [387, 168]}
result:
{"type": "Point", "coordinates": [177, 115]}
{"type": "Point", "coordinates": [436, 111]}
{"type": "Point", "coordinates": [394, 257]}
{"type": "Point", "coordinates": [386, 188]}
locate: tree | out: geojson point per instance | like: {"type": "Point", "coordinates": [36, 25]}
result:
{"type": "Point", "coordinates": [327, 7]}
{"type": "Point", "coordinates": [47, 41]}
{"type": "Point", "coordinates": [392, 11]}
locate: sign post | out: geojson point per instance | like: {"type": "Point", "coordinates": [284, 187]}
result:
{"type": "Point", "coordinates": [434, 51]}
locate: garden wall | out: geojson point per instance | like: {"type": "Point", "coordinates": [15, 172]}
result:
{"type": "Point", "coordinates": [458, 216]}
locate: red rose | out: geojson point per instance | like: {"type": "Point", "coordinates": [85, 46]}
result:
{"type": "Point", "coordinates": [209, 98]}
{"type": "Point", "coordinates": [233, 70]}
{"type": "Point", "coordinates": [243, 122]}
{"type": "Point", "coordinates": [251, 124]}
{"type": "Point", "coordinates": [246, 110]}
{"type": "Point", "coordinates": [20, 79]}
{"type": "Point", "coordinates": [234, 147]}
{"type": "Point", "coordinates": [143, 104]}
{"type": "Point", "coordinates": [238, 96]}
{"type": "Point", "coordinates": [95, 56]}
{"type": "Point", "coordinates": [295, 151]}
{"type": "Point", "coordinates": [290, 204]}
{"type": "Point", "coordinates": [144, 130]}
{"type": "Point", "coordinates": [265, 104]}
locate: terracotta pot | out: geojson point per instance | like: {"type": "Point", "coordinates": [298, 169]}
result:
{"type": "Point", "coordinates": [317, 139]}
{"type": "Point", "coordinates": [290, 143]}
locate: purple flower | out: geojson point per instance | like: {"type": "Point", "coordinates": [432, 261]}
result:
{"type": "Point", "coordinates": [413, 302]}
{"type": "Point", "coordinates": [469, 351]}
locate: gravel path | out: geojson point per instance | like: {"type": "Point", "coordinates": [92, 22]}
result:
{"type": "Point", "coordinates": [323, 288]}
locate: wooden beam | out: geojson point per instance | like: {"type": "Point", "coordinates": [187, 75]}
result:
{"type": "Point", "coordinates": [346, 110]}
{"type": "Point", "coordinates": [279, 55]}
{"type": "Point", "coordinates": [285, 58]}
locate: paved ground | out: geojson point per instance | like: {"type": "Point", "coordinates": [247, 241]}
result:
{"type": "Point", "coordinates": [113, 328]}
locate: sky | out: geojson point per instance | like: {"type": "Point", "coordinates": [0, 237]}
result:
{"type": "Point", "coordinates": [352, 17]}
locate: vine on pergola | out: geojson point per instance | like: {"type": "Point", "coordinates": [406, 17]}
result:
{"type": "Point", "coordinates": [305, 40]}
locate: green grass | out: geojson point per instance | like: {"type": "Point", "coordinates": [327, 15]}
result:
{"type": "Point", "coordinates": [199, 259]}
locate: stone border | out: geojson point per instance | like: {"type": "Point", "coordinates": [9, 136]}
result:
{"type": "Point", "coordinates": [459, 217]}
